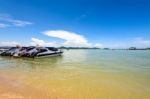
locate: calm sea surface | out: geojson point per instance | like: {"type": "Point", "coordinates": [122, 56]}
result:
{"type": "Point", "coordinates": [77, 74]}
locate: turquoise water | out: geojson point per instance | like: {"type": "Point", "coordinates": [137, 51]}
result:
{"type": "Point", "coordinates": [78, 74]}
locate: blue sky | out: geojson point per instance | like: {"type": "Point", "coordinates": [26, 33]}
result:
{"type": "Point", "coordinates": [102, 23]}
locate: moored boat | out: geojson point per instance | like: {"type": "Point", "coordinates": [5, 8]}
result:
{"type": "Point", "coordinates": [32, 52]}
{"type": "Point", "coordinates": [45, 52]}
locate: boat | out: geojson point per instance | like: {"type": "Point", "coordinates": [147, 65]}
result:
{"type": "Point", "coordinates": [2, 50]}
{"type": "Point", "coordinates": [23, 52]}
{"type": "Point", "coordinates": [37, 52]}
{"type": "Point", "coordinates": [9, 52]}
{"type": "Point", "coordinates": [32, 52]}
{"type": "Point", "coordinates": [44, 52]}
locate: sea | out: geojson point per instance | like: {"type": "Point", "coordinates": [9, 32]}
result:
{"type": "Point", "coordinates": [78, 74]}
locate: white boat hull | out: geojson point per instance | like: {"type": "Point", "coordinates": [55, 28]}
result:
{"type": "Point", "coordinates": [59, 54]}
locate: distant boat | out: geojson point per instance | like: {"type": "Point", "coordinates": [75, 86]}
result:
{"type": "Point", "coordinates": [132, 48]}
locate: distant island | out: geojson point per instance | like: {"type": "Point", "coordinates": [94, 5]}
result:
{"type": "Point", "coordinates": [78, 48]}
{"type": "Point", "coordinates": [134, 48]}
{"type": "Point", "coordinates": [131, 48]}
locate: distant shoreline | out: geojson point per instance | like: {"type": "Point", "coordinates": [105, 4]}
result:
{"type": "Point", "coordinates": [69, 48]}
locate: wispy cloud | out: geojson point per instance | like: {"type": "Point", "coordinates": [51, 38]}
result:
{"type": "Point", "coordinates": [39, 42]}
{"type": "Point", "coordinates": [141, 42]}
{"type": "Point", "coordinates": [85, 14]}
{"type": "Point", "coordinates": [138, 42]}
{"type": "Point", "coordinates": [9, 43]}
{"type": "Point", "coordinates": [71, 39]}
{"type": "Point", "coordinates": [98, 45]}
{"type": "Point", "coordinates": [20, 23]}
{"type": "Point", "coordinates": [15, 22]}
{"type": "Point", "coordinates": [66, 35]}
{"type": "Point", "coordinates": [2, 25]}
{"type": "Point", "coordinates": [82, 16]}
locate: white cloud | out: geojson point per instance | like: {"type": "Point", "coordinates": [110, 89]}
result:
{"type": "Point", "coordinates": [20, 23]}
{"type": "Point", "coordinates": [9, 43]}
{"type": "Point", "coordinates": [39, 42]}
{"type": "Point", "coordinates": [98, 45]}
{"type": "Point", "coordinates": [138, 42]}
{"type": "Point", "coordinates": [2, 25]}
{"type": "Point", "coordinates": [69, 36]}
{"type": "Point", "coordinates": [15, 22]}
{"type": "Point", "coordinates": [141, 42]}
{"type": "Point", "coordinates": [71, 39]}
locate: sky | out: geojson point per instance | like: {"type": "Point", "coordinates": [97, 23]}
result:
{"type": "Point", "coordinates": [76, 23]}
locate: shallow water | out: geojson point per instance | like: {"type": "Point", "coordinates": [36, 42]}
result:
{"type": "Point", "coordinates": [78, 74]}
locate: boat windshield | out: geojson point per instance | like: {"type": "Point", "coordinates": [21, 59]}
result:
{"type": "Point", "coordinates": [52, 48]}
{"type": "Point", "coordinates": [42, 50]}
{"type": "Point", "coordinates": [23, 48]}
{"type": "Point", "coordinates": [30, 48]}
